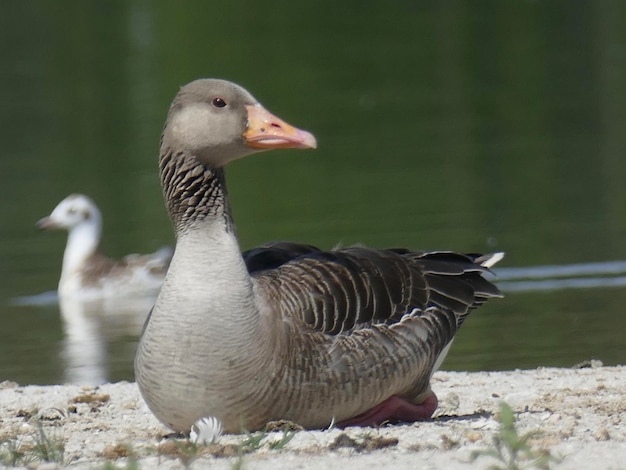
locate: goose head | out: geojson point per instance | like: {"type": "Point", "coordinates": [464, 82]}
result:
{"type": "Point", "coordinates": [73, 211]}
{"type": "Point", "coordinates": [217, 121]}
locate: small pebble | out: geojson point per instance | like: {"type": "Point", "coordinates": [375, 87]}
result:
{"type": "Point", "coordinates": [602, 435]}
{"type": "Point", "coordinates": [554, 418]}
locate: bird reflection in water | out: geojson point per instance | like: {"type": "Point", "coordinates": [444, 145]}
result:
{"type": "Point", "coordinates": [95, 332]}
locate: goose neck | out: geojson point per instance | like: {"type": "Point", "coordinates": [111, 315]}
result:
{"type": "Point", "coordinates": [194, 193]}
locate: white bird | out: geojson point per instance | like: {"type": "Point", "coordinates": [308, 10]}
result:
{"type": "Point", "coordinates": [286, 331]}
{"type": "Point", "coordinates": [86, 272]}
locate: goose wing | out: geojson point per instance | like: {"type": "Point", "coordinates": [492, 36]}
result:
{"type": "Point", "coordinates": [346, 289]}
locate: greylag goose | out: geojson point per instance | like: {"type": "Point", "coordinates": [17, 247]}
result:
{"type": "Point", "coordinates": [86, 272]}
{"type": "Point", "coordinates": [286, 331]}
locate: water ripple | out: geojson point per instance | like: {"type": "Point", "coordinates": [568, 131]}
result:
{"type": "Point", "coordinates": [556, 277]}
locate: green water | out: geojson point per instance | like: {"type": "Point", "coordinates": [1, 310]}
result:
{"type": "Point", "coordinates": [474, 126]}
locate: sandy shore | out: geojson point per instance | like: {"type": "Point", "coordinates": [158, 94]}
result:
{"type": "Point", "coordinates": [580, 413]}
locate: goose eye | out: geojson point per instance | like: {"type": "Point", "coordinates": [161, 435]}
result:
{"type": "Point", "coordinates": [218, 102]}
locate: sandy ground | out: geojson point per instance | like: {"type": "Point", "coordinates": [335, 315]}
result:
{"type": "Point", "coordinates": [580, 413]}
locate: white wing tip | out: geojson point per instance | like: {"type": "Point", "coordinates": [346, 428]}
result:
{"type": "Point", "coordinates": [487, 261]}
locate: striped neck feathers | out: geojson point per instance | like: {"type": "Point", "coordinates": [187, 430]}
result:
{"type": "Point", "coordinates": [193, 192]}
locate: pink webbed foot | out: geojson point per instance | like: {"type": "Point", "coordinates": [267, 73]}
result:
{"type": "Point", "coordinates": [394, 409]}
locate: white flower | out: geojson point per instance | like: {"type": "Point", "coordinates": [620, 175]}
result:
{"type": "Point", "coordinates": [206, 430]}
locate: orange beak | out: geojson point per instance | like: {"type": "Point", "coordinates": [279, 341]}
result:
{"type": "Point", "coordinates": [266, 131]}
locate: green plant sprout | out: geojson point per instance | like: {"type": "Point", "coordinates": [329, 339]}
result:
{"type": "Point", "coordinates": [512, 450]}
